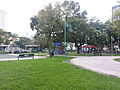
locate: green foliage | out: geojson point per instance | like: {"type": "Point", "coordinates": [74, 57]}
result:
{"type": "Point", "coordinates": [113, 28]}
{"type": "Point", "coordinates": [77, 20]}
{"type": "Point", "coordinates": [49, 23]}
{"type": "Point", "coordinates": [1, 40]}
{"type": "Point", "coordinates": [116, 27]}
{"type": "Point", "coordinates": [99, 38]}
{"type": "Point", "coordinates": [96, 24]}
{"type": "Point", "coordinates": [98, 33]}
{"type": "Point", "coordinates": [41, 40]}
{"type": "Point", "coordinates": [117, 59]}
{"type": "Point", "coordinates": [4, 37]}
{"type": "Point", "coordinates": [22, 42]}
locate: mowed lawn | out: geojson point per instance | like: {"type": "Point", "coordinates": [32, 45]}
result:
{"type": "Point", "coordinates": [52, 74]}
{"type": "Point", "coordinates": [117, 59]}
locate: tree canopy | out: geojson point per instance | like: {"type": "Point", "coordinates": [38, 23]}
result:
{"type": "Point", "coordinates": [49, 24]}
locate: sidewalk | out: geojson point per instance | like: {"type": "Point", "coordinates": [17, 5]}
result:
{"type": "Point", "coordinates": [101, 64]}
{"type": "Point", "coordinates": [10, 57]}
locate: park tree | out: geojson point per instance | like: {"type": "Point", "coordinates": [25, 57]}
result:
{"type": "Point", "coordinates": [1, 40]}
{"type": "Point", "coordinates": [98, 33]}
{"type": "Point", "coordinates": [96, 24]}
{"type": "Point", "coordinates": [78, 22]}
{"type": "Point", "coordinates": [99, 39]}
{"type": "Point", "coordinates": [48, 23]}
{"type": "Point", "coordinates": [78, 33]}
{"type": "Point", "coordinates": [4, 37]}
{"type": "Point", "coordinates": [22, 42]}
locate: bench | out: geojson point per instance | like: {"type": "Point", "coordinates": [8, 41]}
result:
{"type": "Point", "coordinates": [25, 55]}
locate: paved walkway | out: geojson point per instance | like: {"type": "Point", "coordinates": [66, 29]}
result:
{"type": "Point", "coordinates": [9, 57]}
{"type": "Point", "coordinates": [101, 64]}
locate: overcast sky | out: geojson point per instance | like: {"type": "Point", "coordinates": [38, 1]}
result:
{"type": "Point", "coordinates": [20, 11]}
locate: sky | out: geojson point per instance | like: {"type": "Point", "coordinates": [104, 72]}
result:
{"type": "Point", "coordinates": [19, 12]}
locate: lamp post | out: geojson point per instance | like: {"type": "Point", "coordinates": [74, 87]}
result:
{"type": "Point", "coordinates": [65, 33]}
{"type": "Point", "coordinates": [65, 29]}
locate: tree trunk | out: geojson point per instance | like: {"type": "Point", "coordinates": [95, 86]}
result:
{"type": "Point", "coordinates": [78, 49]}
{"type": "Point", "coordinates": [49, 43]}
{"type": "Point", "coordinates": [100, 51]}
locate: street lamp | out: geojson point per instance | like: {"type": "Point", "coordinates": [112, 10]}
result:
{"type": "Point", "coordinates": [65, 28]}
{"type": "Point", "coordinates": [65, 33]}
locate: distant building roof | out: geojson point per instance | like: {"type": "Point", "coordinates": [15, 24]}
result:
{"type": "Point", "coordinates": [89, 46]}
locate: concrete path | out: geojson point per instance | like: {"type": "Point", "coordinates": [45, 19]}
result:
{"type": "Point", "coordinates": [101, 64]}
{"type": "Point", "coordinates": [9, 57]}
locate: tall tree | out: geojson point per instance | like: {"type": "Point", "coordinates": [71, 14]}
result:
{"type": "Point", "coordinates": [98, 33]}
{"type": "Point", "coordinates": [77, 20]}
{"type": "Point", "coordinates": [47, 22]}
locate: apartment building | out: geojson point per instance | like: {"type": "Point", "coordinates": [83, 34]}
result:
{"type": "Point", "coordinates": [3, 20]}
{"type": "Point", "coordinates": [114, 16]}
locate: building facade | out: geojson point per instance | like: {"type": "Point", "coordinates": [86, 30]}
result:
{"type": "Point", "coordinates": [114, 15]}
{"type": "Point", "coordinates": [3, 20]}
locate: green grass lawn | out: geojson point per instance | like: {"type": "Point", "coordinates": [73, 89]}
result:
{"type": "Point", "coordinates": [117, 59]}
{"type": "Point", "coordinates": [52, 74]}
